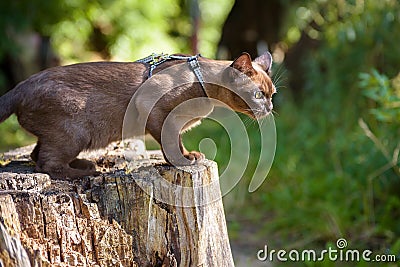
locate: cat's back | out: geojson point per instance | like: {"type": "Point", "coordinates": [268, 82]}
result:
{"type": "Point", "coordinates": [101, 76]}
{"type": "Point", "coordinates": [81, 83]}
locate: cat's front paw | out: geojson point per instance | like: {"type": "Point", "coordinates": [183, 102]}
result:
{"type": "Point", "coordinates": [184, 159]}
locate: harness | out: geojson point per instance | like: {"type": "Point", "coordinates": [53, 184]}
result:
{"type": "Point", "coordinates": [155, 60]}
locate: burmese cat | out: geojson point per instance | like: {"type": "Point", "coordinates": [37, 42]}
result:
{"type": "Point", "coordinates": [82, 106]}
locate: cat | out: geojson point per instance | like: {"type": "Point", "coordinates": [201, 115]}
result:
{"type": "Point", "coordinates": [82, 106]}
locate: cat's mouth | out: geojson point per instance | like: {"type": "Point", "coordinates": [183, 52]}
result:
{"type": "Point", "coordinates": [257, 114]}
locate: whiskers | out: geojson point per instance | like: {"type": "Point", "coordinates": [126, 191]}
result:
{"type": "Point", "coordinates": [279, 77]}
{"type": "Point", "coordinates": [249, 119]}
{"type": "Point", "coordinates": [259, 120]}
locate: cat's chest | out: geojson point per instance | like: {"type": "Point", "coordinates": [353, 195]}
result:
{"type": "Point", "coordinates": [191, 117]}
{"type": "Point", "coordinates": [191, 124]}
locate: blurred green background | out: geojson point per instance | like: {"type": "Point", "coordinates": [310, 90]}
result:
{"type": "Point", "coordinates": [337, 69]}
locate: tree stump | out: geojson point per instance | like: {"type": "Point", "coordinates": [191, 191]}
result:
{"type": "Point", "coordinates": [115, 219]}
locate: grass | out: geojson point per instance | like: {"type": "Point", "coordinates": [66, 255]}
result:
{"type": "Point", "coordinates": [12, 135]}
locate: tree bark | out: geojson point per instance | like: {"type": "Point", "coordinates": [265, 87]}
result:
{"type": "Point", "coordinates": [127, 216]}
{"type": "Point", "coordinates": [251, 25]}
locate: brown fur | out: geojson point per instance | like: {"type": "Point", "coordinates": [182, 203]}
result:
{"type": "Point", "coordinates": [82, 106]}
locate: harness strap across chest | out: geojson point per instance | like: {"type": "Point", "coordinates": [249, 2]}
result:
{"type": "Point", "coordinates": [155, 60]}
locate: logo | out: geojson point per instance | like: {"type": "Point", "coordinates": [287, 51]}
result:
{"type": "Point", "coordinates": [340, 253]}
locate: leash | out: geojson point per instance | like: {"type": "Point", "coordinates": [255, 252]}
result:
{"type": "Point", "coordinates": [155, 60]}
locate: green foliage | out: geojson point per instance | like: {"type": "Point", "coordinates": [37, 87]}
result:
{"type": "Point", "coordinates": [125, 29]}
{"type": "Point", "coordinates": [378, 88]}
{"type": "Point", "coordinates": [17, 17]}
{"type": "Point", "coordinates": [12, 135]}
{"type": "Point", "coordinates": [336, 171]}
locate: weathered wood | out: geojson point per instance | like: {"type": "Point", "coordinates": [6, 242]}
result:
{"type": "Point", "coordinates": [116, 219]}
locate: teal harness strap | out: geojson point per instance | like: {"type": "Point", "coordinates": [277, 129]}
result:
{"type": "Point", "coordinates": [155, 60]}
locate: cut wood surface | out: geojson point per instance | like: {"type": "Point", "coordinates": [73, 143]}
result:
{"type": "Point", "coordinates": [136, 213]}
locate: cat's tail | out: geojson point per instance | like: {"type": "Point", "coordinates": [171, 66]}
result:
{"type": "Point", "coordinates": [7, 105]}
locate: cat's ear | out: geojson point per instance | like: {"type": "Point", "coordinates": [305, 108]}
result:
{"type": "Point", "coordinates": [265, 61]}
{"type": "Point", "coordinates": [243, 64]}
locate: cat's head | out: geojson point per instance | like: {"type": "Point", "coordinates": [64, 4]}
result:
{"type": "Point", "coordinates": [249, 85]}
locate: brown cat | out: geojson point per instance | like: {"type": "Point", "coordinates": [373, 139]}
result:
{"type": "Point", "coordinates": [82, 106]}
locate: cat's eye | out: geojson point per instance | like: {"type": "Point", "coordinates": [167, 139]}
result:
{"type": "Point", "coordinates": [259, 94]}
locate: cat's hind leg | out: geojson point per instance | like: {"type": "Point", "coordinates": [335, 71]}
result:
{"type": "Point", "coordinates": [82, 164]}
{"type": "Point", "coordinates": [58, 159]}
{"type": "Point", "coordinates": [35, 152]}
